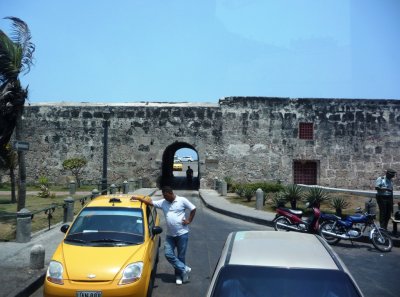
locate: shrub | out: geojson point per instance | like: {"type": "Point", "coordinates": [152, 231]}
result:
{"type": "Point", "coordinates": [278, 200]}
{"type": "Point", "coordinates": [315, 196]}
{"type": "Point", "coordinates": [293, 193]}
{"type": "Point", "coordinates": [268, 187]}
{"type": "Point", "coordinates": [43, 180]}
{"type": "Point", "coordinates": [229, 182]}
{"type": "Point", "coordinates": [44, 187]}
{"type": "Point", "coordinates": [239, 189]}
{"type": "Point", "coordinates": [339, 204]}
{"type": "Point", "coordinates": [249, 192]}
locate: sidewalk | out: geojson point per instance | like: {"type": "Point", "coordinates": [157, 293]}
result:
{"type": "Point", "coordinates": [17, 279]}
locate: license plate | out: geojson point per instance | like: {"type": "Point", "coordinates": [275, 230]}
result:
{"type": "Point", "coordinates": [88, 294]}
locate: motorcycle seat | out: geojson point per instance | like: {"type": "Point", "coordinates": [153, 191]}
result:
{"type": "Point", "coordinates": [295, 212]}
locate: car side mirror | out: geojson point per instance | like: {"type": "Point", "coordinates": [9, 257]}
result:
{"type": "Point", "coordinates": [156, 230]}
{"type": "Point", "coordinates": [64, 228]}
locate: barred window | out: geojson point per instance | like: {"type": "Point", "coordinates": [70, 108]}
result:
{"type": "Point", "coordinates": [306, 131]}
{"type": "Point", "coordinates": [305, 172]}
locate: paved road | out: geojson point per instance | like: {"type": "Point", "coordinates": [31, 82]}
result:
{"type": "Point", "coordinates": [375, 272]}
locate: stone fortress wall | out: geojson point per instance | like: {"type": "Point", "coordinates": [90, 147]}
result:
{"type": "Point", "coordinates": [246, 138]}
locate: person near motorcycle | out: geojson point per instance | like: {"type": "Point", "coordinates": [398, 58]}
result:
{"type": "Point", "coordinates": [384, 197]}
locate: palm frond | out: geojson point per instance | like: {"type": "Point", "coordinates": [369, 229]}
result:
{"type": "Point", "coordinates": [10, 59]}
{"type": "Point", "coordinates": [21, 35]}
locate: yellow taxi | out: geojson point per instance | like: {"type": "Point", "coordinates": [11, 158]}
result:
{"type": "Point", "coordinates": [111, 249]}
{"type": "Point", "coordinates": [177, 166]}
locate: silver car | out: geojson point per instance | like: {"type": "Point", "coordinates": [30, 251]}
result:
{"type": "Point", "coordinates": [187, 159]}
{"type": "Point", "coordinates": [272, 264]}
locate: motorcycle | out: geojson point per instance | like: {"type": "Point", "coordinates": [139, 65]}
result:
{"type": "Point", "coordinates": [287, 219]}
{"type": "Point", "coordinates": [334, 228]}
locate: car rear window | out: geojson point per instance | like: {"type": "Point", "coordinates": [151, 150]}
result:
{"type": "Point", "coordinates": [250, 281]}
{"type": "Point", "coordinates": [107, 226]}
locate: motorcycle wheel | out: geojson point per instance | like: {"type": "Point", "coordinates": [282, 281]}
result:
{"type": "Point", "coordinates": [281, 221]}
{"type": "Point", "coordinates": [381, 241]}
{"type": "Point", "coordinates": [328, 227]}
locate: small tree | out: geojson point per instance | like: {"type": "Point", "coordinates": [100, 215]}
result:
{"type": "Point", "coordinates": [75, 165]}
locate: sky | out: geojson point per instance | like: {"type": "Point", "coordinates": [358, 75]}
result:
{"type": "Point", "coordinates": [186, 152]}
{"type": "Point", "coordinates": [116, 51]}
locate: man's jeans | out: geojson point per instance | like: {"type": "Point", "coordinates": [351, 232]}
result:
{"type": "Point", "coordinates": [180, 244]}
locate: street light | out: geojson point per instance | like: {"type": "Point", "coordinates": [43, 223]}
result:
{"type": "Point", "coordinates": [106, 123]}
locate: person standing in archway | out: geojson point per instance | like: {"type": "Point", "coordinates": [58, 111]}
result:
{"type": "Point", "coordinates": [189, 175]}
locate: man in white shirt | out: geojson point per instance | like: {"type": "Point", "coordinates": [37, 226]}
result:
{"type": "Point", "coordinates": [174, 208]}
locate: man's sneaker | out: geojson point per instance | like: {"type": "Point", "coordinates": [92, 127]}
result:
{"type": "Point", "coordinates": [186, 274]}
{"type": "Point", "coordinates": [178, 280]}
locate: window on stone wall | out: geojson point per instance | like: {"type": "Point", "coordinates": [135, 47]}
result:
{"type": "Point", "coordinates": [306, 131]}
{"type": "Point", "coordinates": [305, 172]}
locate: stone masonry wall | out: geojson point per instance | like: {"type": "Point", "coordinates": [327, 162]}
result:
{"type": "Point", "coordinates": [246, 138]}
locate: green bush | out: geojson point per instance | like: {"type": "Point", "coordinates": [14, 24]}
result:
{"type": "Point", "coordinates": [249, 191]}
{"type": "Point", "coordinates": [43, 180]}
{"type": "Point", "coordinates": [316, 195]}
{"type": "Point", "coordinates": [240, 190]}
{"type": "Point", "coordinates": [229, 183]}
{"type": "Point", "coordinates": [278, 200]}
{"type": "Point", "coordinates": [268, 187]}
{"type": "Point", "coordinates": [339, 204]}
{"type": "Point", "coordinates": [293, 193]}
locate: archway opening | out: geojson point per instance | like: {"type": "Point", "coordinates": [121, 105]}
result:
{"type": "Point", "coordinates": [183, 155]}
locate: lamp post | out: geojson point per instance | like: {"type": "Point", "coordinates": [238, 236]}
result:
{"type": "Point", "coordinates": [106, 123]}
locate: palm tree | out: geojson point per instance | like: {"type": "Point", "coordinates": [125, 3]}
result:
{"type": "Point", "coordinates": [16, 57]}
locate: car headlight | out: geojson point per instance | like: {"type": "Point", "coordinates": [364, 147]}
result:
{"type": "Point", "coordinates": [55, 272]}
{"type": "Point", "coordinates": [131, 273]}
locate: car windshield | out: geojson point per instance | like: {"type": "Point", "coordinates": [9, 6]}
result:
{"type": "Point", "coordinates": [105, 226]}
{"type": "Point", "coordinates": [252, 281]}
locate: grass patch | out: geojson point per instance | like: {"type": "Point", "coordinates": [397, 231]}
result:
{"type": "Point", "coordinates": [37, 206]}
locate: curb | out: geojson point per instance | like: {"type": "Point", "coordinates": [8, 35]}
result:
{"type": "Point", "coordinates": [237, 215]}
{"type": "Point", "coordinates": [32, 287]}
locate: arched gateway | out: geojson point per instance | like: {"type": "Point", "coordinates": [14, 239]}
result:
{"type": "Point", "coordinates": [177, 179]}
